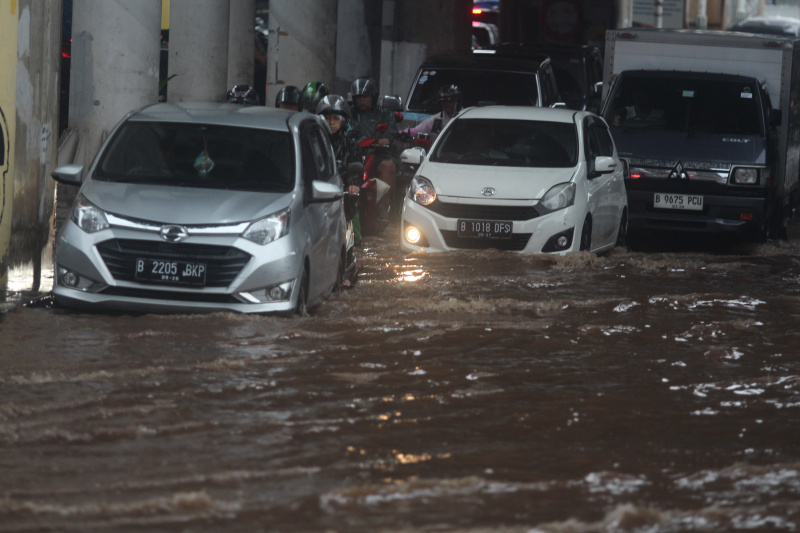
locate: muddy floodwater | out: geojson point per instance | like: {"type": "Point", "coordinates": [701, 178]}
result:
{"type": "Point", "coordinates": [655, 390]}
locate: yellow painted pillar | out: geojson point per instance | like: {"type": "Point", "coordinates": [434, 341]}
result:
{"type": "Point", "coordinates": [8, 90]}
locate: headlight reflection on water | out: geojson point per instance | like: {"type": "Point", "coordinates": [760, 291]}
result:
{"type": "Point", "coordinates": [411, 275]}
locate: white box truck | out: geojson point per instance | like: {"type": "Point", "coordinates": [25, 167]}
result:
{"type": "Point", "coordinates": [708, 124]}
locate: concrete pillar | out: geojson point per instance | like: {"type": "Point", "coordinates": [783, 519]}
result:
{"type": "Point", "coordinates": [9, 20]}
{"type": "Point", "coordinates": [115, 62]}
{"type": "Point", "coordinates": [198, 50]}
{"type": "Point", "coordinates": [357, 42]}
{"type": "Point", "coordinates": [31, 133]}
{"type": "Point", "coordinates": [659, 14]}
{"type": "Point", "coordinates": [624, 13]}
{"type": "Point", "coordinates": [241, 38]}
{"type": "Point", "coordinates": [701, 21]}
{"type": "Point", "coordinates": [302, 44]}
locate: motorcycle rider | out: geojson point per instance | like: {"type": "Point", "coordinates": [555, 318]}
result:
{"type": "Point", "coordinates": [365, 117]}
{"type": "Point", "coordinates": [313, 92]}
{"type": "Point", "coordinates": [242, 94]}
{"type": "Point", "coordinates": [336, 112]}
{"type": "Point", "coordinates": [449, 97]}
{"type": "Point", "coordinates": [289, 97]}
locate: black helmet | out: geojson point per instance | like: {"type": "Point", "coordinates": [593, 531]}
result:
{"type": "Point", "coordinates": [449, 92]}
{"type": "Point", "coordinates": [333, 104]}
{"type": "Point", "coordinates": [289, 95]}
{"type": "Point", "coordinates": [242, 94]}
{"type": "Point", "coordinates": [313, 92]}
{"type": "Point", "coordinates": [364, 87]}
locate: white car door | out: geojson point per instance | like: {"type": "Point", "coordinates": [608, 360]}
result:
{"type": "Point", "coordinates": [602, 185]}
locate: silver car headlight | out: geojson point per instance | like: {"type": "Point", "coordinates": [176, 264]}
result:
{"type": "Point", "coordinates": [87, 216]}
{"type": "Point", "coordinates": [268, 229]}
{"type": "Point", "coordinates": [558, 197]}
{"type": "Point", "coordinates": [422, 191]}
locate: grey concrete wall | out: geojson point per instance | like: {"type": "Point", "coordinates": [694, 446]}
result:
{"type": "Point", "coordinates": [115, 61]}
{"type": "Point", "coordinates": [241, 37]}
{"type": "Point", "coordinates": [302, 44]}
{"type": "Point", "coordinates": [37, 96]}
{"type": "Point", "coordinates": [414, 29]}
{"type": "Point", "coordinates": [198, 50]}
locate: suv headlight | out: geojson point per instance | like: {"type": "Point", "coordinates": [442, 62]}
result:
{"type": "Point", "coordinates": [87, 216]}
{"type": "Point", "coordinates": [422, 191]}
{"type": "Point", "coordinates": [558, 197]}
{"type": "Point", "coordinates": [268, 229]}
{"type": "Point", "coordinates": [745, 176]}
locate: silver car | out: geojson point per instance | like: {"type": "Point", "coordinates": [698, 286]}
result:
{"type": "Point", "coordinates": [203, 207]}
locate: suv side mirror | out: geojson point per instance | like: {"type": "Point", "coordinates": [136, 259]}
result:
{"type": "Point", "coordinates": [775, 117]}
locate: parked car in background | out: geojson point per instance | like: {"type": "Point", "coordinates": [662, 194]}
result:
{"type": "Point", "coordinates": [578, 70]}
{"type": "Point", "coordinates": [768, 25]}
{"type": "Point", "coordinates": [201, 207]}
{"type": "Point", "coordinates": [484, 35]}
{"type": "Point", "coordinates": [517, 178]}
{"type": "Point", "coordinates": [484, 78]}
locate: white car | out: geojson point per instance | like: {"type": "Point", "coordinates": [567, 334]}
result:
{"type": "Point", "coordinates": [528, 179]}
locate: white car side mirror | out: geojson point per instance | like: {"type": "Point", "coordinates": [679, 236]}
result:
{"type": "Point", "coordinates": [413, 156]}
{"type": "Point", "coordinates": [604, 164]}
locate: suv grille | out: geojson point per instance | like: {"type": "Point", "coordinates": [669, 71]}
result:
{"type": "Point", "coordinates": [223, 262]}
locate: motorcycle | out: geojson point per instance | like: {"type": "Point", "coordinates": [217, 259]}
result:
{"type": "Point", "coordinates": [375, 200]}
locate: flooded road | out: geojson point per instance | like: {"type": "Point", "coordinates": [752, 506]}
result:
{"type": "Point", "coordinates": [654, 390]}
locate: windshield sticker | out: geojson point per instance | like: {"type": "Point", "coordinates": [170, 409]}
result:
{"type": "Point", "coordinates": [422, 80]}
{"type": "Point", "coordinates": [688, 94]}
{"type": "Point", "coordinates": [746, 93]}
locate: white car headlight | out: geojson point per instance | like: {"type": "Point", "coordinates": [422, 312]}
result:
{"type": "Point", "coordinates": [422, 191]}
{"type": "Point", "coordinates": [269, 228]}
{"type": "Point", "coordinates": [558, 197]}
{"type": "Point", "coordinates": [88, 217]}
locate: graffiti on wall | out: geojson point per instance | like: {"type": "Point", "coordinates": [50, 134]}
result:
{"type": "Point", "coordinates": [5, 156]}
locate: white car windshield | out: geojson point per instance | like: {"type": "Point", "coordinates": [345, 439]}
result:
{"type": "Point", "coordinates": [197, 155]}
{"type": "Point", "coordinates": [511, 143]}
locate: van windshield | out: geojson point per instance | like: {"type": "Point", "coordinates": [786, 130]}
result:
{"type": "Point", "coordinates": [692, 105]}
{"type": "Point", "coordinates": [478, 88]}
{"type": "Point", "coordinates": [198, 155]}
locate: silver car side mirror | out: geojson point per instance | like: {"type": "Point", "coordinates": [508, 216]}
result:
{"type": "Point", "coordinates": [69, 175]}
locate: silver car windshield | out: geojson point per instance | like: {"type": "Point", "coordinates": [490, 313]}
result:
{"type": "Point", "coordinates": [511, 143]}
{"type": "Point", "coordinates": [196, 155]}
